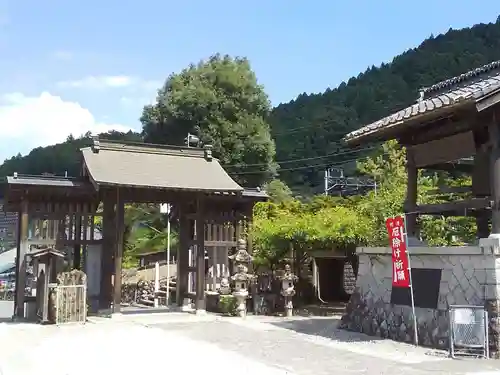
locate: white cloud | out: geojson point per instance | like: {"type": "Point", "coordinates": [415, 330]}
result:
{"type": "Point", "coordinates": [28, 122]}
{"type": "Point", "coordinates": [103, 82]}
{"type": "Point", "coordinates": [98, 82]}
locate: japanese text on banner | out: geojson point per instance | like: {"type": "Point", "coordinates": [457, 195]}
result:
{"type": "Point", "coordinates": [400, 272]}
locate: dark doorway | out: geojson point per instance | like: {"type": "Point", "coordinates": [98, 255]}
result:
{"type": "Point", "coordinates": [331, 279]}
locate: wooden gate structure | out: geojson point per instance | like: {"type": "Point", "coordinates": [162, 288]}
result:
{"type": "Point", "coordinates": [62, 212]}
{"type": "Point", "coordinates": [452, 120]}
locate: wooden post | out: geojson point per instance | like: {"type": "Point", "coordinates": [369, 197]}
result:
{"type": "Point", "coordinates": [200, 257]}
{"type": "Point", "coordinates": [494, 134]}
{"type": "Point", "coordinates": [249, 223]}
{"type": "Point", "coordinates": [77, 248]}
{"type": "Point", "coordinates": [22, 250]}
{"type": "Point", "coordinates": [108, 229]}
{"type": "Point", "coordinates": [480, 179]}
{"type": "Point", "coordinates": [120, 229]}
{"type": "Point", "coordinates": [410, 205]}
{"type": "Point", "coordinates": [49, 269]}
{"type": "Point", "coordinates": [182, 256]}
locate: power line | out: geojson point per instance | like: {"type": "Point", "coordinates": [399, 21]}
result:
{"type": "Point", "coordinates": [303, 159]}
{"type": "Point", "coordinates": [349, 152]}
{"type": "Point", "coordinates": [300, 129]}
{"type": "Point", "coordinates": [310, 166]}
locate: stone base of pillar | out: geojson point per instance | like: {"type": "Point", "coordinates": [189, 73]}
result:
{"type": "Point", "coordinates": [187, 305]}
{"type": "Point", "coordinates": [201, 312]}
{"type": "Point", "coordinates": [116, 315]}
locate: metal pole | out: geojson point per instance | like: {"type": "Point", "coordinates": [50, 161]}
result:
{"type": "Point", "coordinates": [326, 181]}
{"type": "Point", "coordinates": [415, 329]}
{"type": "Point", "coordinates": [168, 254]}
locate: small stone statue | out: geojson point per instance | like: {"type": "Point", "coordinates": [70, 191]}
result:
{"type": "Point", "coordinates": [224, 288]}
{"type": "Point", "coordinates": [288, 281]}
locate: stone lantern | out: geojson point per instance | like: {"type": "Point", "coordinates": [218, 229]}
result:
{"type": "Point", "coordinates": [241, 278]}
{"type": "Point", "coordinates": [288, 281]}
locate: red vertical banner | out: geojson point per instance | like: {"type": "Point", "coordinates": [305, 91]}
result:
{"type": "Point", "coordinates": [397, 240]}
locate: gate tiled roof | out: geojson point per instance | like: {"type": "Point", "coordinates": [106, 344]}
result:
{"type": "Point", "coordinates": [153, 166]}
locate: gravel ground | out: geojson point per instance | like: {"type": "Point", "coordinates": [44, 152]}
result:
{"type": "Point", "coordinates": [213, 345]}
{"type": "Point", "coordinates": [307, 346]}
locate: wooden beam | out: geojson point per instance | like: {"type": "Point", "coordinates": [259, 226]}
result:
{"type": "Point", "coordinates": [220, 243]}
{"type": "Point", "coordinates": [452, 167]}
{"type": "Point", "coordinates": [451, 190]}
{"type": "Point", "coordinates": [444, 150]}
{"type": "Point", "coordinates": [444, 127]}
{"type": "Point", "coordinates": [458, 207]}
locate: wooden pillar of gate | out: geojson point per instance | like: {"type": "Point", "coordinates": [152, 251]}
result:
{"type": "Point", "coordinates": [183, 255]}
{"type": "Point", "coordinates": [410, 204]}
{"type": "Point", "coordinates": [118, 252]}
{"type": "Point", "coordinates": [22, 250]}
{"type": "Point", "coordinates": [107, 266]}
{"type": "Point", "coordinates": [200, 302]}
{"type": "Point", "coordinates": [480, 180]}
{"type": "Point", "coordinates": [77, 248]}
{"type": "Point", "coordinates": [494, 136]}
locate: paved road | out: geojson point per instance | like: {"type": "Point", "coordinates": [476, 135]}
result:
{"type": "Point", "coordinates": [143, 343]}
{"type": "Point", "coordinates": [313, 346]}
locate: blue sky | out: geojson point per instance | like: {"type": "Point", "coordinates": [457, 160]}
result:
{"type": "Point", "coordinates": [72, 66]}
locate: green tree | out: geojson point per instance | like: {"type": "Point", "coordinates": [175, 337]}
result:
{"type": "Point", "coordinates": [278, 191]}
{"type": "Point", "coordinates": [219, 100]}
{"type": "Point", "coordinates": [387, 167]}
{"type": "Point", "coordinates": [146, 231]}
{"type": "Point", "coordinates": [279, 228]}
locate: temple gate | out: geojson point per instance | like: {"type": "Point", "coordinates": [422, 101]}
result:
{"type": "Point", "coordinates": [84, 217]}
{"type": "Point", "coordinates": [454, 125]}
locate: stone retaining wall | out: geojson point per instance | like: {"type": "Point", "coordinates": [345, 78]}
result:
{"type": "Point", "coordinates": [468, 277]}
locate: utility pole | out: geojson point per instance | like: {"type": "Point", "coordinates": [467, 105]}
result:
{"type": "Point", "coordinates": [339, 184]}
{"type": "Point", "coordinates": [326, 180]}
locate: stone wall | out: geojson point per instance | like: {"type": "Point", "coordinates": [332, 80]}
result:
{"type": "Point", "coordinates": [469, 277]}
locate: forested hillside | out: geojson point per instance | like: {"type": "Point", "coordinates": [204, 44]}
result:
{"type": "Point", "coordinates": [311, 126]}
{"type": "Point", "coordinates": [57, 159]}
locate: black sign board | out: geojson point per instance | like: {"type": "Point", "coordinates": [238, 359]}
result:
{"type": "Point", "coordinates": [426, 282]}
